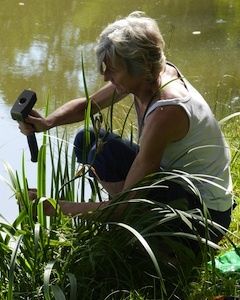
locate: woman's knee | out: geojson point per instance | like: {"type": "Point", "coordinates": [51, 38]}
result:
{"type": "Point", "coordinates": [80, 148]}
{"type": "Point", "coordinates": [112, 159]}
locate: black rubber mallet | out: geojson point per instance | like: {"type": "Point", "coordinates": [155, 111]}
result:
{"type": "Point", "coordinates": [20, 111]}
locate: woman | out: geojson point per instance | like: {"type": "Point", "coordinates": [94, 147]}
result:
{"type": "Point", "coordinates": [177, 130]}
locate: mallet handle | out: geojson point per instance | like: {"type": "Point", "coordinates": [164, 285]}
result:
{"type": "Point", "coordinates": [33, 147]}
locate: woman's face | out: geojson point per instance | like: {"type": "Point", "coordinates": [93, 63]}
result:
{"type": "Point", "coordinates": [118, 74]}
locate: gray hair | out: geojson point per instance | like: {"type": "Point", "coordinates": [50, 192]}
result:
{"type": "Point", "coordinates": [138, 41]}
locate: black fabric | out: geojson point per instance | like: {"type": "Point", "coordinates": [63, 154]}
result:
{"type": "Point", "coordinates": [108, 154]}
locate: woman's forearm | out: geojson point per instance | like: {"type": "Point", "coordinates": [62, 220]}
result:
{"type": "Point", "coordinates": [71, 112]}
{"type": "Point", "coordinates": [75, 208]}
{"type": "Point", "coordinates": [74, 110]}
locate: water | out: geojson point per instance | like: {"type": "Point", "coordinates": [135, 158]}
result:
{"type": "Point", "coordinates": [42, 43]}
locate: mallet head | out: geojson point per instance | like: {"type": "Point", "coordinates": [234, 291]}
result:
{"type": "Point", "coordinates": [23, 105]}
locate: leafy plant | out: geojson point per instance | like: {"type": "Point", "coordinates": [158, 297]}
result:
{"type": "Point", "coordinates": [101, 256]}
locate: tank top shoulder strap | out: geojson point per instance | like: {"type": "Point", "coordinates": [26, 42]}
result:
{"type": "Point", "coordinates": [181, 77]}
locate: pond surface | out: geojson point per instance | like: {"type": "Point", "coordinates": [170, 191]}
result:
{"type": "Point", "coordinates": [42, 43]}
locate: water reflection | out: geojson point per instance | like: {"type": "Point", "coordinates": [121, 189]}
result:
{"type": "Point", "coordinates": [32, 60]}
{"type": "Point", "coordinates": [43, 40]}
{"type": "Point", "coordinates": [42, 43]}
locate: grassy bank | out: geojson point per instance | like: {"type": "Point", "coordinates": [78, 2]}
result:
{"type": "Point", "coordinates": [97, 257]}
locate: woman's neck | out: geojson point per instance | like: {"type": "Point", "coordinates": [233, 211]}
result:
{"type": "Point", "coordinates": [148, 91]}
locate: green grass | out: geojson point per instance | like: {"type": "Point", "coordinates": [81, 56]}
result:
{"type": "Point", "coordinates": [213, 282]}
{"type": "Point", "coordinates": [59, 258]}
{"type": "Point", "coordinates": [97, 257]}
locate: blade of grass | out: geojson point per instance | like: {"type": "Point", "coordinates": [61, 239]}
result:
{"type": "Point", "coordinates": [87, 118]}
{"type": "Point", "coordinates": [12, 267]}
{"type": "Point", "coordinates": [41, 185]}
{"type": "Point", "coordinates": [125, 120]}
{"type": "Point", "coordinates": [57, 292]}
{"type": "Point", "coordinates": [46, 279]}
{"type": "Point", "coordinates": [73, 286]}
{"type": "Point", "coordinates": [224, 120]}
{"type": "Point", "coordinates": [146, 246]}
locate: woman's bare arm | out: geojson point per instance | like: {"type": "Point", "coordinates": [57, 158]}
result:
{"type": "Point", "coordinates": [73, 111]}
{"type": "Point", "coordinates": [162, 127]}
{"type": "Point", "coordinates": [70, 112]}
{"type": "Point", "coordinates": [75, 208]}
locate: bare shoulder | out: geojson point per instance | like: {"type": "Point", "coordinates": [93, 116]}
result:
{"type": "Point", "coordinates": [165, 125]}
{"type": "Point", "coordinates": [172, 85]}
{"type": "Point", "coordinates": [170, 120]}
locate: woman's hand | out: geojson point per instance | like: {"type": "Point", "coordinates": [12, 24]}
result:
{"type": "Point", "coordinates": [33, 123]}
{"type": "Point", "coordinates": [47, 206]}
